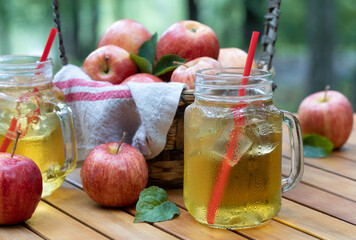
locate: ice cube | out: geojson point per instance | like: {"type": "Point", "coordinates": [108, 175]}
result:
{"type": "Point", "coordinates": [263, 135]}
{"type": "Point", "coordinates": [262, 149]}
{"type": "Point", "coordinates": [232, 144]}
{"type": "Point", "coordinates": [264, 128]}
{"type": "Point", "coordinates": [28, 104]}
{"type": "Point", "coordinates": [45, 125]}
{"type": "Point", "coordinates": [7, 102]}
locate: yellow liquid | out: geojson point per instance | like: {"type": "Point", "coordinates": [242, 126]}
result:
{"type": "Point", "coordinates": [252, 194]}
{"type": "Point", "coordinates": [45, 147]}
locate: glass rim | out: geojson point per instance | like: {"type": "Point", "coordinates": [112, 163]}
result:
{"type": "Point", "coordinates": [4, 62]}
{"type": "Point", "coordinates": [29, 66]}
{"type": "Point", "coordinates": [265, 73]}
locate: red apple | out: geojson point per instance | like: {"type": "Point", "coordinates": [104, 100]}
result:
{"type": "Point", "coordinates": [189, 40]}
{"type": "Point", "coordinates": [127, 34]}
{"type": "Point", "coordinates": [186, 72]}
{"type": "Point", "coordinates": [20, 188]}
{"type": "Point", "coordinates": [142, 78]}
{"type": "Point", "coordinates": [327, 113]}
{"type": "Point", "coordinates": [114, 179]}
{"type": "Point", "coordinates": [233, 57]}
{"type": "Point", "coordinates": [109, 63]}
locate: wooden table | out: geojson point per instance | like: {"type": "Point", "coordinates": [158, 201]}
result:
{"type": "Point", "coordinates": [322, 206]}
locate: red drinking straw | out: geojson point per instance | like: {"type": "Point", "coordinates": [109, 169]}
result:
{"type": "Point", "coordinates": [49, 43]}
{"type": "Point", "coordinates": [233, 143]}
{"type": "Point", "coordinates": [5, 144]}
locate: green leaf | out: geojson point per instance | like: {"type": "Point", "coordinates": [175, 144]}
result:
{"type": "Point", "coordinates": [143, 64]}
{"type": "Point", "coordinates": [316, 146]}
{"type": "Point", "coordinates": [153, 206]}
{"type": "Point", "coordinates": [148, 49]}
{"type": "Point", "coordinates": [166, 64]}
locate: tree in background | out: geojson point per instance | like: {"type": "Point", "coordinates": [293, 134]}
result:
{"type": "Point", "coordinates": [254, 20]}
{"type": "Point", "coordinates": [321, 43]}
{"type": "Point", "coordinates": [5, 44]}
{"type": "Point", "coordinates": [94, 10]}
{"type": "Point", "coordinates": [192, 10]}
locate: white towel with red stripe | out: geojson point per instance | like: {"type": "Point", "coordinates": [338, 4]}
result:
{"type": "Point", "coordinates": [103, 111]}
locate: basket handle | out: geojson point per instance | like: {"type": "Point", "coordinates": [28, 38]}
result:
{"type": "Point", "coordinates": [269, 37]}
{"type": "Point", "coordinates": [57, 23]}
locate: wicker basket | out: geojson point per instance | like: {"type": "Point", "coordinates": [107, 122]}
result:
{"type": "Point", "coordinates": [166, 170]}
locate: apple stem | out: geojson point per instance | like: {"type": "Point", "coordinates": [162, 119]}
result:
{"type": "Point", "coordinates": [327, 87]}
{"type": "Point", "coordinates": [179, 63]}
{"type": "Point", "coordinates": [106, 69]}
{"type": "Point", "coordinates": [122, 140]}
{"type": "Point", "coordinates": [15, 144]}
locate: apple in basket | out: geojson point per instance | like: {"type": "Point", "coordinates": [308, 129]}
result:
{"type": "Point", "coordinates": [109, 63]}
{"type": "Point", "coordinates": [142, 78]}
{"type": "Point", "coordinates": [186, 72]}
{"type": "Point", "coordinates": [114, 174]}
{"type": "Point", "coordinates": [327, 113]}
{"type": "Point", "coordinates": [127, 34]}
{"type": "Point", "coordinates": [189, 40]}
{"type": "Point", "coordinates": [233, 57]}
{"type": "Point", "coordinates": [20, 188]}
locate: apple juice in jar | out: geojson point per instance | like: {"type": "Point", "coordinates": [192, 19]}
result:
{"type": "Point", "coordinates": [252, 193]}
{"type": "Point", "coordinates": [30, 103]}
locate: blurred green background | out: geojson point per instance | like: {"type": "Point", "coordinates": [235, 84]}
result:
{"type": "Point", "coordinates": [316, 42]}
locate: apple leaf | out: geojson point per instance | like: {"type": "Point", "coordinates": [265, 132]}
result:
{"type": "Point", "coordinates": [143, 64]}
{"type": "Point", "coordinates": [153, 206]}
{"type": "Point", "coordinates": [316, 146]}
{"type": "Point", "coordinates": [148, 49]}
{"type": "Point", "coordinates": [166, 64]}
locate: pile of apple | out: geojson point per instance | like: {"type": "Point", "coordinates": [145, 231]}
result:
{"type": "Point", "coordinates": [128, 52]}
{"type": "Point", "coordinates": [114, 174]}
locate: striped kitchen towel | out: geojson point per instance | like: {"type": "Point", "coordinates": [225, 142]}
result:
{"type": "Point", "coordinates": [103, 111]}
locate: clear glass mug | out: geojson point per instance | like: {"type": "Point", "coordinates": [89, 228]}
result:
{"type": "Point", "coordinates": [29, 102]}
{"type": "Point", "coordinates": [233, 150]}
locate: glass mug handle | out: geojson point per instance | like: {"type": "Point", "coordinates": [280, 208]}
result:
{"type": "Point", "coordinates": [297, 155]}
{"type": "Point", "coordinates": [65, 116]}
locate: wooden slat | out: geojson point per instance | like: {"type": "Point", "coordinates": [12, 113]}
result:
{"type": "Point", "coordinates": [112, 222]}
{"type": "Point", "coordinates": [314, 222]}
{"type": "Point", "coordinates": [332, 163]}
{"type": "Point", "coordinates": [325, 180]}
{"type": "Point", "coordinates": [347, 151]}
{"type": "Point", "coordinates": [17, 232]}
{"type": "Point", "coordinates": [276, 231]}
{"type": "Point", "coordinates": [273, 230]}
{"type": "Point", "coordinates": [53, 224]}
{"type": "Point", "coordinates": [322, 201]}
{"type": "Point", "coordinates": [186, 227]}
{"type": "Point", "coordinates": [75, 175]}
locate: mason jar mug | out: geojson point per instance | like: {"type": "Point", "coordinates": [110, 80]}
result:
{"type": "Point", "coordinates": [31, 104]}
{"type": "Point", "coordinates": [233, 149]}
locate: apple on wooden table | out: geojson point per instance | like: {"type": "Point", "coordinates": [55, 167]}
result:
{"type": "Point", "coordinates": [109, 63]}
{"type": "Point", "coordinates": [327, 113]}
{"type": "Point", "coordinates": [114, 174]}
{"type": "Point", "coordinates": [127, 34]}
{"type": "Point", "coordinates": [20, 188]}
{"type": "Point", "coordinates": [186, 72]}
{"type": "Point", "coordinates": [142, 78]}
{"type": "Point", "coordinates": [189, 40]}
